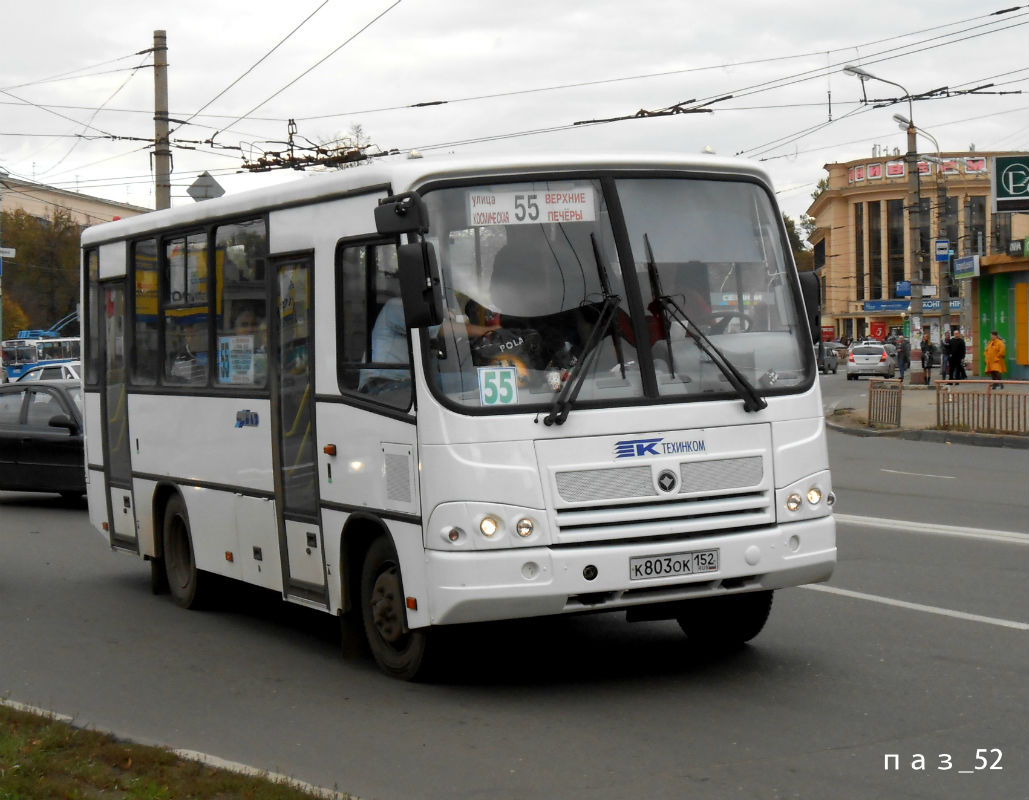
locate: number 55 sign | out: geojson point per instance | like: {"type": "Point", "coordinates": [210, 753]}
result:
{"type": "Point", "coordinates": [498, 386]}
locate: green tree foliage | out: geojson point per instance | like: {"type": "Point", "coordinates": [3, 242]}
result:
{"type": "Point", "coordinates": [804, 258]}
{"type": "Point", "coordinates": [43, 280]}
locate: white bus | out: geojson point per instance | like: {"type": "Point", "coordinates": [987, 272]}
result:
{"type": "Point", "coordinates": [440, 391]}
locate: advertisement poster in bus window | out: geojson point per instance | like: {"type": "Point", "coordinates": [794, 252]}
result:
{"type": "Point", "coordinates": [236, 359]}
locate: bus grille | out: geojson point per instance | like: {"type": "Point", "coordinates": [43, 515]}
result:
{"type": "Point", "coordinates": [677, 517]}
{"type": "Point", "coordinates": [624, 503]}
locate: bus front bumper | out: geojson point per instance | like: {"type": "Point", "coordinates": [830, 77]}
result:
{"type": "Point", "coordinates": [482, 585]}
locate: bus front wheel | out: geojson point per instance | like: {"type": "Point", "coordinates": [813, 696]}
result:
{"type": "Point", "coordinates": [725, 622]}
{"type": "Point", "coordinates": [398, 650]}
{"type": "Point", "coordinates": [185, 581]}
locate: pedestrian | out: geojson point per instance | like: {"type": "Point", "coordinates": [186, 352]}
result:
{"type": "Point", "coordinates": [945, 346]}
{"type": "Point", "coordinates": [957, 357]}
{"type": "Point", "coordinates": [928, 353]}
{"type": "Point", "coordinates": [994, 359]}
{"type": "Point", "coordinates": [903, 355]}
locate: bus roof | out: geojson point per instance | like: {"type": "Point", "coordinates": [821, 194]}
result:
{"type": "Point", "coordinates": [401, 174]}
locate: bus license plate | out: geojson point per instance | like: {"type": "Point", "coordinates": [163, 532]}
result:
{"type": "Point", "coordinates": [694, 563]}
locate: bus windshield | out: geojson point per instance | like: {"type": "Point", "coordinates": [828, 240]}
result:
{"type": "Point", "coordinates": [537, 297]}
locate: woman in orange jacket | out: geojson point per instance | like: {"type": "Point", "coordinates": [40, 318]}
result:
{"type": "Point", "coordinates": [994, 357]}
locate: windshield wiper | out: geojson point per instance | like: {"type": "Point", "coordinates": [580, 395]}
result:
{"type": "Point", "coordinates": [672, 310]}
{"type": "Point", "coordinates": [563, 402]}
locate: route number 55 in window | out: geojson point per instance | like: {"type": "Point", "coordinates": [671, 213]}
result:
{"type": "Point", "coordinates": [498, 386]}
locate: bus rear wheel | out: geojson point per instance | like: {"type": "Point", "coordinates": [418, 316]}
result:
{"type": "Point", "coordinates": [726, 622]}
{"type": "Point", "coordinates": [185, 581]}
{"type": "Point", "coordinates": [399, 651]}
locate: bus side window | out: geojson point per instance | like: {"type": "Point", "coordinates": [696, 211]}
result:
{"type": "Point", "coordinates": [374, 343]}
{"type": "Point", "coordinates": [241, 251]}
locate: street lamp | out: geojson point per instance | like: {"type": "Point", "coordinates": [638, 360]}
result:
{"type": "Point", "coordinates": [914, 190]}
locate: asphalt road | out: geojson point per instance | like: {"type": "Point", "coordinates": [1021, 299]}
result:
{"type": "Point", "coordinates": [917, 647]}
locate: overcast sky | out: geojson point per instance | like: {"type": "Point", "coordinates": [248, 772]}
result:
{"type": "Point", "coordinates": [504, 69]}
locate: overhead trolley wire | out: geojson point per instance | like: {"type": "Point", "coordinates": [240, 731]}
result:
{"type": "Point", "coordinates": [311, 68]}
{"type": "Point", "coordinates": [252, 67]}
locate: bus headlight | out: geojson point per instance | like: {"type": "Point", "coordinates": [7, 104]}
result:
{"type": "Point", "coordinates": [793, 501]}
{"type": "Point", "coordinates": [814, 495]}
{"type": "Point", "coordinates": [524, 527]}
{"type": "Point", "coordinates": [488, 526]}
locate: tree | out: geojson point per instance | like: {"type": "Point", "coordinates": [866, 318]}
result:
{"type": "Point", "coordinates": [14, 318]}
{"type": "Point", "coordinates": [43, 281]}
{"type": "Point", "coordinates": [821, 186]}
{"type": "Point", "coordinates": [801, 255]}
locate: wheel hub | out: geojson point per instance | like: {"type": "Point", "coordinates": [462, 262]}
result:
{"type": "Point", "coordinates": [387, 611]}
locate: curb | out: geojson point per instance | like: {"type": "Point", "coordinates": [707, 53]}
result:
{"type": "Point", "coordinates": [933, 435]}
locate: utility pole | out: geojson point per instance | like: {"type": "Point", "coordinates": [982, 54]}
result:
{"type": "Point", "coordinates": [162, 150]}
{"type": "Point", "coordinates": [914, 227]}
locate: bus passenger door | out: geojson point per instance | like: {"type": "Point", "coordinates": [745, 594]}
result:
{"type": "Point", "coordinates": [296, 464]}
{"type": "Point", "coordinates": [117, 446]}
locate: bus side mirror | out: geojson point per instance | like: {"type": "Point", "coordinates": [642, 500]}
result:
{"type": "Point", "coordinates": [420, 284]}
{"type": "Point", "coordinates": [811, 291]}
{"type": "Point", "coordinates": [401, 213]}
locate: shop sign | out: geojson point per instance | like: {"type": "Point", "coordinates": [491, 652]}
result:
{"type": "Point", "coordinates": [966, 267]}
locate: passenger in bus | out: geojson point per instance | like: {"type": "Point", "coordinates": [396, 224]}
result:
{"type": "Point", "coordinates": [389, 346]}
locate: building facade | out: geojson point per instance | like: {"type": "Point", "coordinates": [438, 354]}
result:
{"type": "Point", "coordinates": [872, 260]}
{"type": "Point", "coordinates": [41, 201]}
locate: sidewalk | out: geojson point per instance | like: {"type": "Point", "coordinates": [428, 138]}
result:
{"type": "Point", "coordinates": [918, 421]}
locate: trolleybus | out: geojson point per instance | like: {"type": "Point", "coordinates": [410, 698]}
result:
{"type": "Point", "coordinates": [434, 391]}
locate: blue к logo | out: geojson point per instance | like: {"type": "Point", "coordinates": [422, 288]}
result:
{"type": "Point", "coordinates": [630, 448]}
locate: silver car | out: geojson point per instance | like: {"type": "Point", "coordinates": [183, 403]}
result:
{"type": "Point", "coordinates": [871, 359]}
{"type": "Point", "coordinates": [828, 361]}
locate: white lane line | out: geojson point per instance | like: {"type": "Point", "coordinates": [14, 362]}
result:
{"type": "Point", "coordinates": [918, 474]}
{"type": "Point", "coordinates": [905, 526]}
{"type": "Point", "coordinates": [943, 612]}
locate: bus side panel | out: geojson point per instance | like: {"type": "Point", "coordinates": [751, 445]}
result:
{"type": "Point", "coordinates": [143, 491]}
{"type": "Point", "coordinates": [96, 496]}
{"type": "Point", "coordinates": [96, 493]}
{"type": "Point", "coordinates": [375, 468]}
{"type": "Point", "coordinates": [212, 522]}
{"type": "Point", "coordinates": [203, 440]}
{"type": "Point", "coordinates": [258, 541]}
{"type": "Point", "coordinates": [376, 460]}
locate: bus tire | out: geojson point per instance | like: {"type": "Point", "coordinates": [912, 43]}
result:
{"type": "Point", "coordinates": [725, 622]}
{"type": "Point", "coordinates": [399, 651]}
{"type": "Point", "coordinates": [185, 581]}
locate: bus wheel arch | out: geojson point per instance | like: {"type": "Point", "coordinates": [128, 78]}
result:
{"type": "Point", "coordinates": [373, 586]}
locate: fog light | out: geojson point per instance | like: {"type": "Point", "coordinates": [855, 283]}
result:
{"type": "Point", "coordinates": [814, 495]}
{"type": "Point", "coordinates": [488, 527]}
{"type": "Point", "coordinates": [524, 527]}
{"type": "Point", "coordinates": [793, 502]}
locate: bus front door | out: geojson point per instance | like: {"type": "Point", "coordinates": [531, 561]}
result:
{"type": "Point", "coordinates": [296, 468]}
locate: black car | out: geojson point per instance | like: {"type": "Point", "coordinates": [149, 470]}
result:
{"type": "Point", "coordinates": [41, 446]}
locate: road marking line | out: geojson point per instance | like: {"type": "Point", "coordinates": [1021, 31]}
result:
{"type": "Point", "coordinates": [943, 612]}
{"type": "Point", "coordinates": [902, 525]}
{"type": "Point", "coordinates": [919, 474]}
